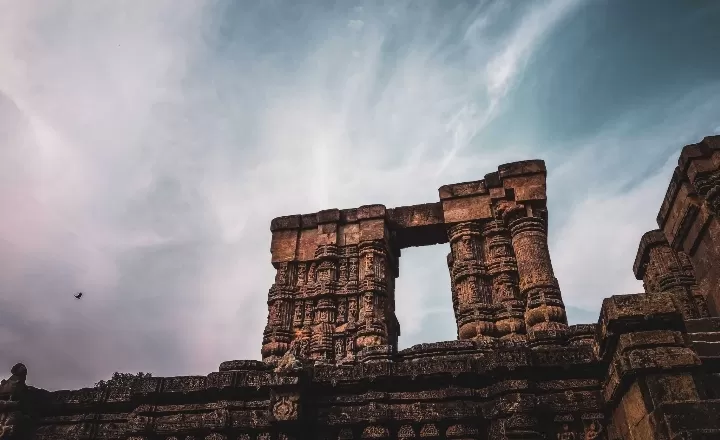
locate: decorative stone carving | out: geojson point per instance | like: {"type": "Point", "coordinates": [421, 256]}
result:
{"type": "Point", "coordinates": [593, 430]}
{"type": "Point", "coordinates": [406, 431]}
{"type": "Point", "coordinates": [461, 431]}
{"type": "Point", "coordinates": [517, 371]}
{"type": "Point", "coordinates": [662, 269]}
{"type": "Point", "coordinates": [429, 430]}
{"type": "Point", "coordinates": [285, 408]}
{"type": "Point", "coordinates": [375, 431]}
{"type": "Point", "coordinates": [296, 357]}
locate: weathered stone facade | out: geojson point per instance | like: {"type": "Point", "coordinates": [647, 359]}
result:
{"type": "Point", "coordinates": [649, 369]}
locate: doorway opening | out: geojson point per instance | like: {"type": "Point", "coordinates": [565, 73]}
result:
{"type": "Point", "coordinates": [423, 300]}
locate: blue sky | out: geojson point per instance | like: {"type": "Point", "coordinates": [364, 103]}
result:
{"type": "Point", "coordinates": [145, 147]}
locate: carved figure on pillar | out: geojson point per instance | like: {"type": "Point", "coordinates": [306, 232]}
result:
{"type": "Point", "coordinates": [352, 309]}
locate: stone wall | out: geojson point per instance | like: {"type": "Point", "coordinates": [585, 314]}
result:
{"type": "Point", "coordinates": [648, 369]}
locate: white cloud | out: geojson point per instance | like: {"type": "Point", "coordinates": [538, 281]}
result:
{"type": "Point", "coordinates": [594, 255]}
{"type": "Point", "coordinates": [149, 148]}
{"type": "Point", "coordinates": [356, 25]}
{"type": "Point", "coordinates": [503, 68]}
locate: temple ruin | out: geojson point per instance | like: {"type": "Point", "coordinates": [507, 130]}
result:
{"type": "Point", "coordinates": [331, 368]}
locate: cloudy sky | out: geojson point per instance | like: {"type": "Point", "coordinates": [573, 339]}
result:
{"type": "Point", "coordinates": [146, 145]}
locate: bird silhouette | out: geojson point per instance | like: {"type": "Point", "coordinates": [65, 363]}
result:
{"type": "Point", "coordinates": [78, 295]}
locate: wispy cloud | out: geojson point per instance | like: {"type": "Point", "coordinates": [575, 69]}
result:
{"type": "Point", "coordinates": [502, 69]}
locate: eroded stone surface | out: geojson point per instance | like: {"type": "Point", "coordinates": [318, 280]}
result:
{"type": "Point", "coordinates": [648, 369]}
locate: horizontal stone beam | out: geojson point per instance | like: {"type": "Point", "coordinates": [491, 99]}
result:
{"type": "Point", "coordinates": [423, 224]}
{"type": "Point", "coordinates": [418, 225]}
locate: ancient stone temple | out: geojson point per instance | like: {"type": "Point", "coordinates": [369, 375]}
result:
{"type": "Point", "coordinates": [331, 369]}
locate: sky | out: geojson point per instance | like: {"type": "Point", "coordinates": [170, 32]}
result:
{"type": "Point", "coordinates": [146, 145]}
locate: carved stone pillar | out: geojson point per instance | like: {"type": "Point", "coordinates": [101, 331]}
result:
{"type": "Point", "coordinates": [545, 310]}
{"type": "Point", "coordinates": [372, 311]}
{"type": "Point", "coordinates": [662, 269]}
{"type": "Point", "coordinates": [285, 305]}
{"type": "Point", "coordinates": [278, 332]}
{"type": "Point", "coordinates": [472, 295]}
{"type": "Point", "coordinates": [326, 287]}
{"type": "Point", "coordinates": [350, 326]}
{"type": "Point", "coordinates": [373, 299]}
{"type": "Point", "coordinates": [502, 267]}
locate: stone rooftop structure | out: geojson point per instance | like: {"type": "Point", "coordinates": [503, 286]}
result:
{"type": "Point", "coordinates": [648, 369]}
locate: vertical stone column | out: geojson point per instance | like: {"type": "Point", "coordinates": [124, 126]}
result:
{"type": "Point", "coordinates": [279, 332]}
{"type": "Point", "coordinates": [347, 314]}
{"type": "Point", "coordinates": [472, 295]}
{"type": "Point", "coordinates": [502, 267]}
{"type": "Point", "coordinates": [377, 270]}
{"type": "Point", "coordinates": [662, 269]}
{"type": "Point", "coordinates": [466, 208]}
{"type": "Point", "coordinates": [326, 258]}
{"type": "Point", "coordinates": [545, 311]}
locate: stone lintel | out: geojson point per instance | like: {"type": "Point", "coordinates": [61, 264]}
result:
{"type": "Point", "coordinates": [294, 236]}
{"type": "Point", "coordinates": [418, 225]}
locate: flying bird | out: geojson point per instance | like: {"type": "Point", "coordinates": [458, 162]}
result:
{"type": "Point", "coordinates": [78, 295]}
